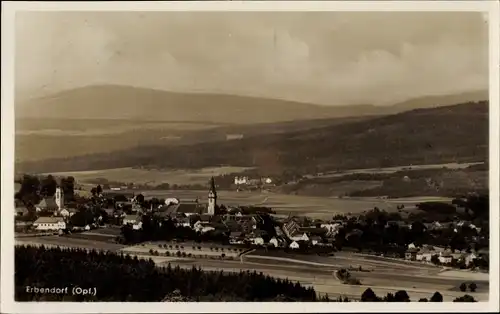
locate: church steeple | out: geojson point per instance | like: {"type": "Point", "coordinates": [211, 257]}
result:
{"type": "Point", "coordinates": [212, 197]}
{"type": "Point", "coordinates": [212, 187]}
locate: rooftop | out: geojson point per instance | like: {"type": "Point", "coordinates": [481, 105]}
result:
{"type": "Point", "coordinates": [49, 220]}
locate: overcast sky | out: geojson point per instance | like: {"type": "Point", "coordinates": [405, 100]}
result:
{"type": "Point", "coordinates": [331, 58]}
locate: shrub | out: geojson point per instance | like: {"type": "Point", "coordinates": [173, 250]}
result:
{"type": "Point", "coordinates": [167, 253]}
{"type": "Point", "coordinates": [463, 287]}
{"type": "Point", "coordinates": [465, 298]}
{"type": "Point", "coordinates": [437, 297]}
{"type": "Point", "coordinates": [178, 253]}
{"type": "Point", "coordinates": [473, 287]}
{"type": "Point", "coordinates": [151, 251]}
{"type": "Point", "coordinates": [223, 255]}
{"type": "Point", "coordinates": [199, 248]}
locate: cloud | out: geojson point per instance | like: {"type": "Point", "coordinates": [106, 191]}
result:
{"type": "Point", "coordinates": [324, 57]}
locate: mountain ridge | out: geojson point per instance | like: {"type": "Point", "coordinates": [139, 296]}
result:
{"type": "Point", "coordinates": [127, 102]}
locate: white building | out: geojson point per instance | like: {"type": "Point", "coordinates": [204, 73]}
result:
{"type": "Point", "coordinates": [274, 242]}
{"type": "Point", "coordinates": [332, 229]}
{"type": "Point", "coordinates": [469, 258]}
{"type": "Point", "coordinates": [294, 245]}
{"type": "Point", "coordinates": [300, 237]}
{"type": "Point", "coordinates": [240, 180]}
{"type": "Point", "coordinates": [49, 223]}
{"type": "Point", "coordinates": [258, 241]}
{"type": "Point", "coordinates": [424, 255]}
{"type": "Point", "coordinates": [445, 259]}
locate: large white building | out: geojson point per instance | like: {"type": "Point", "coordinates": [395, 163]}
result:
{"type": "Point", "coordinates": [49, 223]}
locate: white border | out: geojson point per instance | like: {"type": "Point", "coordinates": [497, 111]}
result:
{"type": "Point", "coordinates": [8, 11]}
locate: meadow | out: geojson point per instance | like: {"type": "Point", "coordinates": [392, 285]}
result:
{"type": "Point", "coordinates": [152, 177]}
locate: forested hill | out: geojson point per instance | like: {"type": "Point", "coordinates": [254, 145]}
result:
{"type": "Point", "coordinates": [423, 136]}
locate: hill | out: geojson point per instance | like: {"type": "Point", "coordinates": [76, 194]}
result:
{"type": "Point", "coordinates": [439, 135]}
{"type": "Point", "coordinates": [126, 102]}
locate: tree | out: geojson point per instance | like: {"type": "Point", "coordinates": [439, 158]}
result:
{"type": "Point", "coordinates": [435, 259]}
{"type": "Point", "coordinates": [423, 300]}
{"type": "Point", "coordinates": [437, 297]}
{"type": "Point", "coordinates": [68, 187]}
{"type": "Point", "coordinates": [465, 298]}
{"type": "Point", "coordinates": [140, 198]}
{"type": "Point", "coordinates": [472, 287]}
{"type": "Point", "coordinates": [402, 296]}
{"type": "Point", "coordinates": [463, 287]}
{"type": "Point", "coordinates": [48, 186]}
{"type": "Point", "coordinates": [369, 296]}
{"type": "Point", "coordinates": [99, 189]}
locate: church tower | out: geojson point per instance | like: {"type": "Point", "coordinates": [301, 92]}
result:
{"type": "Point", "coordinates": [212, 197]}
{"type": "Point", "coordinates": [59, 198]}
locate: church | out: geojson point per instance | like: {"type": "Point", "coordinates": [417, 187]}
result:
{"type": "Point", "coordinates": [195, 208]}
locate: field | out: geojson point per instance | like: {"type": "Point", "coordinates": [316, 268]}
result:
{"type": "Point", "coordinates": [283, 204]}
{"type": "Point", "coordinates": [400, 168]}
{"type": "Point", "coordinates": [384, 275]}
{"type": "Point", "coordinates": [190, 249]}
{"type": "Point", "coordinates": [152, 177]}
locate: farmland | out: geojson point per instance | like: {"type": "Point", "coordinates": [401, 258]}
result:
{"type": "Point", "coordinates": [419, 280]}
{"type": "Point", "coordinates": [151, 176]}
{"type": "Point", "coordinates": [283, 204]}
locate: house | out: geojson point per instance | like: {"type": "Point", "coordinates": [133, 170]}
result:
{"type": "Point", "coordinates": [469, 258]}
{"type": "Point", "coordinates": [191, 208]}
{"type": "Point", "coordinates": [67, 212]}
{"type": "Point", "coordinates": [206, 218]}
{"type": "Point", "coordinates": [299, 237]}
{"type": "Point", "coordinates": [202, 227]}
{"type": "Point", "coordinates": [311, 231]}
{"type": "Point", "coordinates": [131, 219]}
{"type": "Point", "coordinates": [236, 237]}
{"type": "Point", "coordinates": [274, 242]}
{"type": "Point", "coordinates": [411, 254]}
{"type": "Point", "coordinates": [294, 245]}
{"type": "Point", "coordinates": [315, 240]}
{"type": "Point", "coordinates": [290, 226]}
{"type": "Point", "coordinates": [182, 222]}
{"type": "Point", "coordinates": [47, 204]}
{"type": "Point", "coordinates": [49, 223]}
{"type": "Point", "coordinates": [257, 240]}
{"type": "Point", "coordinates": [21, 211]}
{"type": "Point", "coordinates": [332, 228]}
{"type": "Point", "coordinates": [424, 255]}
{"type": "Point", "coordinates": [411, 246]}
{"type": "Point", "coordinates": [445, 258]}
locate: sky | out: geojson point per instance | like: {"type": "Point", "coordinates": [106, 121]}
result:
{"type": "Point", "coordinates": [328, 58]}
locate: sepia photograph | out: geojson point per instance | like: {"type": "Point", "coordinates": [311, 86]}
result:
{"type": "Point", "coordinates": [264, 155]}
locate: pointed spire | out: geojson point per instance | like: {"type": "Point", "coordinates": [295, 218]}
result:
{"type": "Point", "coordinates": [212, 187]}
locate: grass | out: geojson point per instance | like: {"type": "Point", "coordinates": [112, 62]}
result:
{"type": "Point", "coordinates": [152, 177]}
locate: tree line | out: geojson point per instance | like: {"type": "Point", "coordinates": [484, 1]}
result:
{"type": "Point", "coordinates": [123, 278]}
{"type": "Point", "coordinates": [35, 188]}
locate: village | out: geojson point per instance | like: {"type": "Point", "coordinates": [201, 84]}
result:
{"type": "Point", "coordinates": [243, 226]}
